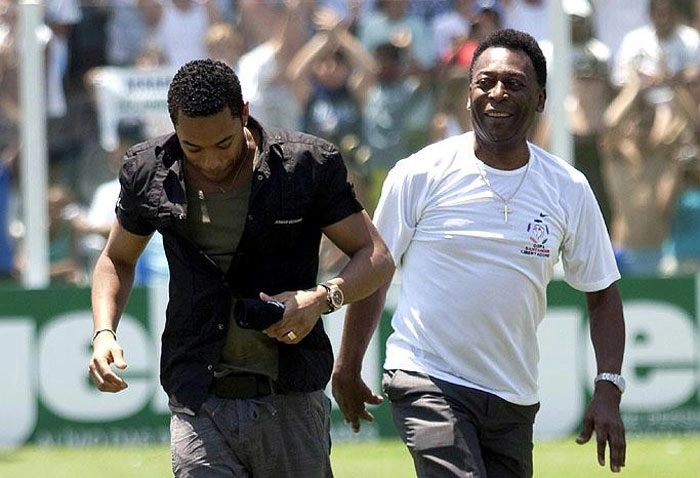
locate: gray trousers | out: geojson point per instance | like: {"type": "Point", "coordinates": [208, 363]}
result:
{"type": "Point", "coordinates": [455, 431]}
{"type": "Point", "coordinates": [274, 436]}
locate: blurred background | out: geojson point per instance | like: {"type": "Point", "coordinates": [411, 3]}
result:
{"type": "Point", "coordinates": [81, 81]}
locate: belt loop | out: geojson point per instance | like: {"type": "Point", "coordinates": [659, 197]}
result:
{"type": "Point", "coordinates": [273, 386]}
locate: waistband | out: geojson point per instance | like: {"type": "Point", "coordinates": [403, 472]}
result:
{"type": "Point", "coordinates": [244, 386]}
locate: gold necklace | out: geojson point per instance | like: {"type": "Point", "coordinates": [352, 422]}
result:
{"type": "Point", "coordinates": [506, 208]}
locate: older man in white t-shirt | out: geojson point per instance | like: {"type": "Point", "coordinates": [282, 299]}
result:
{"type": "Point", "coordinates": [476, 224]}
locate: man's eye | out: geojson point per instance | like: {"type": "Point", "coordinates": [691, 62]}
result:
{"type": "Point", "coordinates": [485, 83]}
{"type": "Point", "coordinates": [514, 85]}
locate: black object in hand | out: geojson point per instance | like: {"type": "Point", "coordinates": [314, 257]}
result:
{"type": "Point", "coordinates": [257, 314]}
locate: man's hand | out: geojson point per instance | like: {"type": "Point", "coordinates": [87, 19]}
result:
{"type": "Point", "coordinates": [603, 417]}
{"type": "Point", "coordinates": [351, 393]}
{"type": "Point", "coordinates": [107, 351]}
{"type": "Point", "coordinates": [302, 310]}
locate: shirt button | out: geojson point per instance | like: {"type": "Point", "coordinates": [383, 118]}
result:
{"type": "Point", "coordinates": [221, 326]}
{"type": "Point", "coordinates": [210, 367]}
{"type": "Point", "coordinates": [250, 217]}
{"type": "Point", "coordinates": [260, 177]}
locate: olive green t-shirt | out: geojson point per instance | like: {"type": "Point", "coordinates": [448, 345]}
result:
{"type": "Point", "coordinates": [216, 222]}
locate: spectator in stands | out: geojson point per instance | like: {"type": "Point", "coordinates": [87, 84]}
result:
{"type": "Point", "coordinates": [682, 249]}
{"type": "Point", "coordinates": [392, 102]}
{"type": "Point", "coordinates": [642, 146]}
{"type": "Point", "coordinates": [658, 51]}
{"type": "Point", "coordinates": [224, 43]}
{"type": "Point", "coordinates": [647, 128]}
{"type": "Point", "coordinates": [451, 28]}
{"type": "Point", "coordinates": [331, 75]}
{"type": "Point", "coordinates": [590, 94]}
{"type": "Point", "coordinates": [64, 263]}
{"type": "Point", "coordinates": [613, 20]}
{"type": "Point", "coordinates": [350, 11]}
{"type": "Point", "coordinates": [88, 39]}
{"type": "Point", "coordinates": [401, 103]}
{"type": "Point", "coordinates": [62, 137]}
{"type": "Point", "coordinates": [451, 116]}
{"type": "Point", "coordinates": [263, 70]}
{"type": "Point", "coordinates": [61, 16]}
{"type": "Point", "coordinates": [126, 31]}
{"type": "Point", "coordinates": [256, 18]}
{"type": "Point", "coordinates": [487, 17]}
{"type": "Point", "coordinates": [182, 29]}
{"type": "Point", "coordinates": [392, 20]}
{"type": "Point", "coordinates": [94, 226]}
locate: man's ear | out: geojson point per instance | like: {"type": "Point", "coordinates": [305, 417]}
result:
{"type": "Point", "coordinates": [541, 100]}
{"type": "Point", "coordinates": [245, 112]}
{"type": "Point", "coordinates": [469, 104]}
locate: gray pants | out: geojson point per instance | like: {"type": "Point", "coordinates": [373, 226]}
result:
{"type": "Point", "coordinates": [454, 431]}
{"type": "Point", "coordinates": [273, 436]}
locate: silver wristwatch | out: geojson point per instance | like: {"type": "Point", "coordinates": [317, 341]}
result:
{"type": "Point", "coordinates": [334, 296]}
{"type": "Point", "coordinates": [615, 378]}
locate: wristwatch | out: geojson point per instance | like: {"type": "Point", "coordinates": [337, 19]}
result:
{"type": "Point", "coordinates": [615, 378]}
{"type": "Point", "coordinates": [334, 296]}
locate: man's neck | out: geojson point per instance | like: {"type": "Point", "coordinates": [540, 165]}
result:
{"type": "Point", "coordinates": [506, 158]}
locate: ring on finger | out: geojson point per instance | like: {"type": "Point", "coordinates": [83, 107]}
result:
{"type": "Point", "coordinates": [291, 336]}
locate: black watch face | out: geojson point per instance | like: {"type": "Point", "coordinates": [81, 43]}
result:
{"type": "Point", "coordinates": [337, 298]}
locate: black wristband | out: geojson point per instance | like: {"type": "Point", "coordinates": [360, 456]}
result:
{"type": "Point", "coordinates": [94, 336]}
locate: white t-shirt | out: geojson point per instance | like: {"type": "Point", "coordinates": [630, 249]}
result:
{"type": "Point", "coordinates": [101, 214]}
{"type": "Point", "coordinates": [643, 52]}
{"type": "Point", "coordinates": [103, 202]}
{"type": "Point", "coordinates": [473, 287]}
{"type": "Point", "coordinates": [613, 19]}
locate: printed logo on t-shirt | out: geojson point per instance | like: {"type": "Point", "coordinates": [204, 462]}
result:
{"type": "Point", "coordinates": [538, 233]}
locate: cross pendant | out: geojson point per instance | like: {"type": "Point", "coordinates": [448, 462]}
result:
{"type": "Point", "coordinates": [506, 210]}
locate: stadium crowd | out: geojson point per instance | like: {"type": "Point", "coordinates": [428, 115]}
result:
{"type": "Point", "coordinates": [381, 79]}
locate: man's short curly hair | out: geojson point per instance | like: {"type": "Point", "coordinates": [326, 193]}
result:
{"type": "Point", "coordinates": [204, 88]}
{"type": "Point", "coordinates": [515, 40]}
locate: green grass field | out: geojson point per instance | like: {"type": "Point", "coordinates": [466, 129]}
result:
{"type": "Point", "coordinates": [647, 457]}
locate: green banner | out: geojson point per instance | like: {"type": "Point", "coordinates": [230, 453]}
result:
{"type": "Point", "coordinates": [47, 398]}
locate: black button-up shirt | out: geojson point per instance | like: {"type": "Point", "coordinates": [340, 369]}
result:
{"type": "Point", "coordinates": [299, 186]}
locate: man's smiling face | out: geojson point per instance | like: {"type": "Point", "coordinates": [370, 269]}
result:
{"type": "Point", "coordinates": [504, 97]}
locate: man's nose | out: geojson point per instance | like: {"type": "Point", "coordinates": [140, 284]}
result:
{"type": "Point", "coordinates": [212, 159]}
{"type": "Point", "coordinates": [499, 91]}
